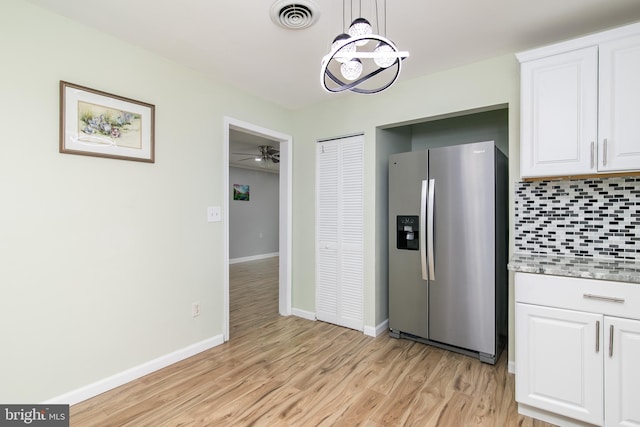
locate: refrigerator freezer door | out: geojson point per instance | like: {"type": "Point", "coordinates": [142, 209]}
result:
{"type": "Point", "coordinates": [462, 296]}
{"type": "Point", "coordinates": [408, 294]}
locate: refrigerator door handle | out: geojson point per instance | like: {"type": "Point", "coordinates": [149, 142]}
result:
{"type": "Point", "coordinates": [430, 229]}
{"type": "Point", "coordinates": [423, 229]}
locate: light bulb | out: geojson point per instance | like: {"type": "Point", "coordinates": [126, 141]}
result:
{"type": "Point", "coordinates": [384, 61]}
{"type": "Point", "coordinates": [348, 48]}
{"type": "Point", "coordinates": [351, 70]}
{"type": "Point", "coordinates": [360, 27]}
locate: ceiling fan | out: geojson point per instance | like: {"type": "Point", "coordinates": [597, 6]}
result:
{"type": "Point", "coordinates": [267, 155]}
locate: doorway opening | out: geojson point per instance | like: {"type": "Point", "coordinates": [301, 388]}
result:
{"type": "Point", "coordinates": [261, 138]}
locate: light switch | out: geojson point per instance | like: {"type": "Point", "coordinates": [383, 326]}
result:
{"type": "Point", "coordinates": [213, 214]}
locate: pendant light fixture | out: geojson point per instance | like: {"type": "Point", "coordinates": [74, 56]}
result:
{"type": "Point", "coordinates": [360, 27]}
{"type": "Point", "coordinates": [359, 60]}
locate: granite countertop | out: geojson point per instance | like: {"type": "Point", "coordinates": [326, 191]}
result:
{"type": "Point", "coordinates": [588, 268]}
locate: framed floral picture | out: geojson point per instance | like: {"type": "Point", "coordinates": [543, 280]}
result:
{"type": "Point", "coordinates": [95, 123]}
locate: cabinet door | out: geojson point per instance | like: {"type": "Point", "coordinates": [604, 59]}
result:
{"type": "Point", "coordinates": [622, 372]}
{"type": "Point", "coordinates": [619, 112]}
{"type": "Point", "coordinates": [559, 361]}
{"type": "Point", "coordinates": [559, 113]}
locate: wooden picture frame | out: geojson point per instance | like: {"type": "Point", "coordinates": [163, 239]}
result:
{"type": "Point", "coordinates": [96, 123]}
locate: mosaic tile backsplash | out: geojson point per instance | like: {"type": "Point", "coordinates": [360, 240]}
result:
{"type": "Point", "coordinates": [596, 218]}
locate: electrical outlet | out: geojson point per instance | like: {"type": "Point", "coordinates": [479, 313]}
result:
{"type": "Point", "coordinates": [195, 309]}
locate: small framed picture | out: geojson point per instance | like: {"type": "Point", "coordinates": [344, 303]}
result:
{"type": "Point", "coordinates": [241, 192]}
{"type": "Point", "coordinates": [95, 123]}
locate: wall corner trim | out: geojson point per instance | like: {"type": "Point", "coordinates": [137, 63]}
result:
{"type": "Point", "coordinates": [378, 330]}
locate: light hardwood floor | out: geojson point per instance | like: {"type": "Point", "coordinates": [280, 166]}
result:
{"type": "Point", "coordinates": [288, 371]}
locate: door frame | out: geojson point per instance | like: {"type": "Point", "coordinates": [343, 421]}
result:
{"type": "Point", "coordinates": [285, 213]}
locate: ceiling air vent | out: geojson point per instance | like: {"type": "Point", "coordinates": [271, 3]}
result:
{"type": "Point", "coordinates": [294, 15]}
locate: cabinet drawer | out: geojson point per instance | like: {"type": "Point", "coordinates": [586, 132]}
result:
{"type": "Point", "coordinates": [591, 295]}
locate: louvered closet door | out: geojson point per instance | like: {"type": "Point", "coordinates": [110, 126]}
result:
{"type": "Point", "coordinates": [340, 231]}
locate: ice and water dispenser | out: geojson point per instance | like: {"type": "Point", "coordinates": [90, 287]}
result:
{"type": "Point", "coordinates": [407, 231]}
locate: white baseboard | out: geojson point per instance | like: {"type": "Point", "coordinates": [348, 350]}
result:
{"type": "Point", "coordinates": [304, 314]}
{"type": "Point", "coordinates": [109, 383]}
{"type": "Point", "coordinates": [368, 330]}
{"type": "Point", "coordinates": [511, 367]}
{"type": "Point", "coordinates": [380, 329]}
{"type": "Point", "coordinates": [253, 258]}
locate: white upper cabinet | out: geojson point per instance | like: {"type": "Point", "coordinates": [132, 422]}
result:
{"type": "Point", "coordinates": [619, 114]}
{"type": "Point", "coordinates": [580, 106]}
{"type": "Point", "coordinates": [559, 114]}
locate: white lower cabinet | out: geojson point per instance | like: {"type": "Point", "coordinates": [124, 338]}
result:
{"type": "Point", "coordinates": [577, 350]}
{"type": "Point", "coordinates": [622, 369]}
{"type": "Point", "coordinates": [560, 366]}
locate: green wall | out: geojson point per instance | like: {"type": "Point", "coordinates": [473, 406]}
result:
{"type": "Point", "coordinates": [101, 258]}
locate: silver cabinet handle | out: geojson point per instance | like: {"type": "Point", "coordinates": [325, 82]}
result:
{"type": "Point", "coordinates": [604, 152]}
{"type": "Point", "coordinates": [431, 237]}
{"type": "Point", "coordinates": [593, 157]}
{"type": "Point", "coordinates": [604, 298]}
{"type": "Point", "coordinates": [611, 341]}
{"type": "Point", "coordinates": [597, 336]}
{"type": "Point", "coordinates": [423, 229]}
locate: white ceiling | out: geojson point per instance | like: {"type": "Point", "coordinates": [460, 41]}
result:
{"type": "Point", "coordinates": [243, 150]}
{"type": "Point", "coordinates": [237, 43]}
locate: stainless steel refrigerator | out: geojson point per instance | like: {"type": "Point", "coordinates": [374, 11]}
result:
{"type": "Point", "coordinates": [448, 248]}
